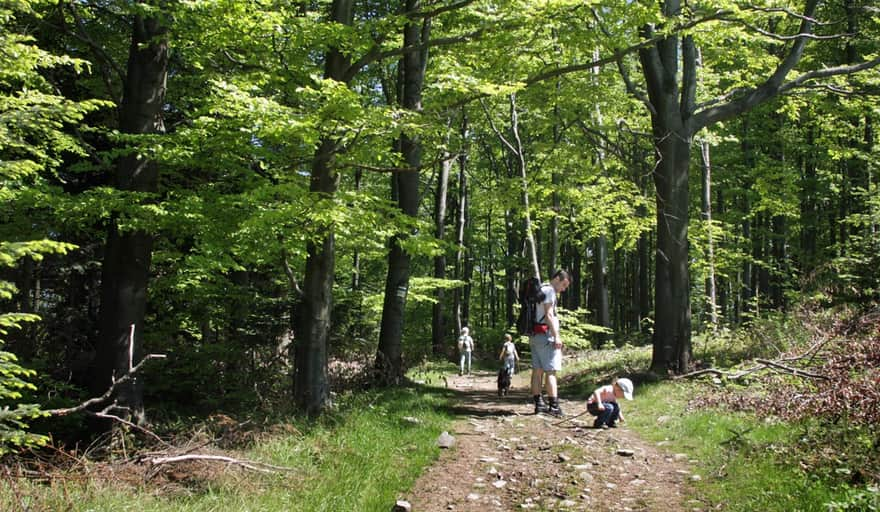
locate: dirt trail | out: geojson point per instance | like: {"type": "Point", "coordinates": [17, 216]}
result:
{"type": "Point", "coordinates": [507, 458]}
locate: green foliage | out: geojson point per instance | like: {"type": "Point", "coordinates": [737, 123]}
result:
{"type": "Point", "coordinates": [798, 469]}
{"type": "Point", "coordinates": [34, 138]}
{"type": "Point", "coordinates": [857, 500]}
{"type": "Point", "coordinates": [362, 455]}
{"type": "Point", "coordinates": [577, 332]}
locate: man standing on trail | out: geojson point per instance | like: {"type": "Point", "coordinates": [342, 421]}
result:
{"type": "Point", "coordinates": [465, 347]}
{"type": "Point", "coordinates": [546, 345]}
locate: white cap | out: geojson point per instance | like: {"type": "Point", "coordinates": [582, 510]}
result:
{"type": "Point", "coordinates": [626, 386]}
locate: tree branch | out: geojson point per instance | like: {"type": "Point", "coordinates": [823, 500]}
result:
{"type": "Point", "coordinates": [375, 54]}
{"type": "Point", "coordinates": [374, 168]}
{"type": "Point", "coordinates": [785, 11]}
{"type": "Point", "coordinates": [439, 10]}
{"type": "Point", "coordinates": [252, 465]}
{"type": "Point", "coordinates": [770, 88]}
{"type": "Point", "coordinates": [495, 129]}
{"type": "Point", "coordinates": [106, 396]}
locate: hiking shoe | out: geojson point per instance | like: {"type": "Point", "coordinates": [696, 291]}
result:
{"type": "Point", "coordinates": [555, 411]}
{"type": "Point", "coordinates": [540, 405]}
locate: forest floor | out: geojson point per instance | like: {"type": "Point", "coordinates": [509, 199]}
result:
{"type": "Point", "coordinates": [505, 457]}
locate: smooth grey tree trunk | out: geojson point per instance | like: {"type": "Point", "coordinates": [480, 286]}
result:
{"type": "Point", "coordinates": [438, 329]}
{"type": "Point", "coordinates": [389, 355]}
{"type": "Point", "coordinates": [669, 67]}
{"type": "Point", "coordinates": [126, 267]}
{"type": "Point", "coordinates": [311, 389]}
{"type": "Point", "coordinates": [460, 224]}
{"type": "Point", "coordinates": [600, 284]}
{"type": "Point", "coordinates": [706, 206]}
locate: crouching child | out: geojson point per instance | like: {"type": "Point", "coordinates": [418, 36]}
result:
{"type": "Point", "coordinates": [603, 403]}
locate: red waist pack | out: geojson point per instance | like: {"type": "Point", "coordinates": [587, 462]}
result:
{"type": "Point", "coordinates": [540, 328]}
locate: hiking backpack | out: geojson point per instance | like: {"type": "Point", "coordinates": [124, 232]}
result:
{"type": "Point", "coordinates": [530, 295]}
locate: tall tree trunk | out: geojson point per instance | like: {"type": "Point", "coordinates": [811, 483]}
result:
{"type": "Point", "coordinates": [780, 261]}
{"type": "Point", "coordinates": [389, 355]}
{"type": "Point", "coordinates": [675, 119]}
{"type": "Point", "coordinates": [809, 211]}
{"type": "Point", "coordinates": [600, 284]}
{"type": "Point", "coordinates": [490, 265]}
{"type": "Point", "coordinates": [437, 325]}
{"type": "Point", "coordinates": [577, 280]}
{"type": "Point", "coordinates": [706, 206]}
{"type": "Point", "coordinates": [460, 224]}
{"type": "Point", "coordinates": [311, 389]}
{"type": "Point", "coordinates": [127, 256]}
{"type": "Point", "coordinates": [673, 134]}
{"type": "Point", "coordinates": [356, 258]}
{"type": "Point", "coordinates": [510, 267]}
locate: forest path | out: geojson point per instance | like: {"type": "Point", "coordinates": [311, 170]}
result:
{"type": "Point", "coordinates": [507, 458]}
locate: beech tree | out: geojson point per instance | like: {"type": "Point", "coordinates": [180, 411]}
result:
{"type": "Point", "coordinates": [128, 252]}
{"type": "Point", "coordinates": [670, 68]}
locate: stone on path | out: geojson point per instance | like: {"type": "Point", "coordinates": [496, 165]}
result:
{"type": "Point", "coordinates": [445, 440]}
{"type": "Point", "coordinates": [401, 506]}
{"type": "Point", "coordinates": [625, 452]}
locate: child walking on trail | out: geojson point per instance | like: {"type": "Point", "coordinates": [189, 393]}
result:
{"type": "Point", "coordinates": [603, 403]}
{"type": "Point", "coordinates": [508, 355]}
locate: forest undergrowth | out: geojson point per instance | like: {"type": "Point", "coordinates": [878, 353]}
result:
{"type": "Point", "coordinates": [780, 416]}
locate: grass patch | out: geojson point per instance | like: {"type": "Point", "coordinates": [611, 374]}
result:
{"type": "Point", "coordinates": [740, 459]}
{"type": "Point", "coordinates": [360, 456]}
{"type": "Point", "coordinates": [744, 463]}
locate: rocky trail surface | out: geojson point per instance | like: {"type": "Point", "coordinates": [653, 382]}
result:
{"type": "Point", "coordinates": [504, 457]}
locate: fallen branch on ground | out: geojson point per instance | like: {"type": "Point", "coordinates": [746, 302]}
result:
{"type": "Point", "coordinates": [765, 364]}
{"type": "Point", "coordinates": [252, 465]}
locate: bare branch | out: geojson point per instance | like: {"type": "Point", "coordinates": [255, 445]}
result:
{"type": "Point", "coordinates": [824, 73]}
{"type": "Point", "coordinates": [794, 371]}
{"type": "Point", "coordinates": [291, 277]}
{"type": "Point", "coordinates": [106, 396]}
{"type": "Point", "coordinates": [774, 85]}
{"type": "Point", "coordinates": [252, 465]}
{"type": "Point", "coordinates": [631, 88]}
{"type": "Point", "coordinates": [373, 168]}
{"type": "Point", "coordinates": [375, 54]}
{"type": "Point", "coordinates": [105, 415]}
{"type": "Point", "coordinates": [440, 10]}
{"type": "Point", "coordinates": [785, 11]}
{"type": "Point", "coordinates": [495, 128]}
{"type": "Point", "coordinates": [765, 364]}
{"type": "Point", "coordinates": [781, 37]}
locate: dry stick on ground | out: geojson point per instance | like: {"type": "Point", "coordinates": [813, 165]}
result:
{"type": "Point", "coordinates": [262, 467]}
{"type": "Point", "coordinates": [765, 364]}
{"type": "Point", "coordinates": [256, 466]}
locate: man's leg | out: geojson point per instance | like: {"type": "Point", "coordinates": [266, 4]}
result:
{"type": "Point", "coordinates": [555, 364]}
{"type": "Point", "coordinates": [536, 343]}
{"type": "Point", "coordinates": [552, 394]}
{"type": "Point", "coordinates": [537, 378]}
